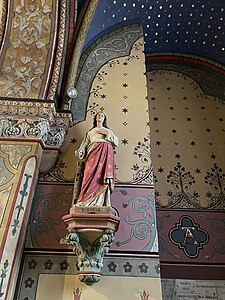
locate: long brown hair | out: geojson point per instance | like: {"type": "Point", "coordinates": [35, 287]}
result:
{"type": "Point", "coordinates": [104, 123]}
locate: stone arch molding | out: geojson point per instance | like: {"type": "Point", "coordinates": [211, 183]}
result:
{"type": "Point", "coordinates": [111, 47]}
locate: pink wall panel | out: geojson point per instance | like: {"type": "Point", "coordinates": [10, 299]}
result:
{"type": "Point", "coordinates": [137, 230]}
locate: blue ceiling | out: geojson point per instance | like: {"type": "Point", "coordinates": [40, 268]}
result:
{"type": "Point", "coordinates": [188, 26]}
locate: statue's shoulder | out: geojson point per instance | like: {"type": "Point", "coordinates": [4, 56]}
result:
{"type": "Point", "coordinates": [93, 129]}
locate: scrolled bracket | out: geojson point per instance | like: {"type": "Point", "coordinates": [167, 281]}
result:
{"type": "Point", "coordinates": [90, 254]}
{"type": "Point", "coordinates": [91, 235]}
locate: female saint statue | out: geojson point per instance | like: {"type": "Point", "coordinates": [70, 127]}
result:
{"type": "Point", "coordinates": [97, 150]}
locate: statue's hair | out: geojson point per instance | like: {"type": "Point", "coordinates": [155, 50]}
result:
{"type": "Point", "coordinates": [104, 124]}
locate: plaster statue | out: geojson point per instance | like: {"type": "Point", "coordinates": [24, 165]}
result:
{"type": "Point", "coordinates": [97, 151]}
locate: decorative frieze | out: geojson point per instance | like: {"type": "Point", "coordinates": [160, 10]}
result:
{"type": "Point", "coordinates": [34, 120]}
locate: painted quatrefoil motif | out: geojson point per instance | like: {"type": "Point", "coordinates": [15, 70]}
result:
{"type": "Point", "coordinates": [189, 236]}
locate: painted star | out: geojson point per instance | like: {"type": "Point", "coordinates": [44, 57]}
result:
{"type": "Point", "coordinates": [160, 170]}
{"type": "Point", "coordinates": [197, 171]}
{"type": "Point", "coordinates": [124, 142]}
{"type": "Point", "coordinates": [73, 141]}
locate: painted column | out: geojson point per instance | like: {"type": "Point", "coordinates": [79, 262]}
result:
{"type": "Point", "coordinates": [31, 134]}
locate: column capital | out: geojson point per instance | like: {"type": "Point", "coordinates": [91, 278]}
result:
{"type": "Point", "coordinates": [91, 232]}
{"type": "Point", "coordinates": [34, 119]}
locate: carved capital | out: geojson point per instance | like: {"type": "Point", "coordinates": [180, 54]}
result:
{"type": "Point", "coordinates": [91, 233]}
{"type": "Point", "coordinates": [34, 120]}
{"type": "Point", "coordinates": [90, 254]}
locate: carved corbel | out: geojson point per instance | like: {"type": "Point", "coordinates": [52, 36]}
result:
{"type": "Point", "coordinates": [91, 233]}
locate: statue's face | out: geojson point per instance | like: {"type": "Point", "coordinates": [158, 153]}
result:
{"type": "Point", "coordinates": [100, 118]}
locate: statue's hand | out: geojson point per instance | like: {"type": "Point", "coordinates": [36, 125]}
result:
{"type": "Point", "coordinates": [78, 152]}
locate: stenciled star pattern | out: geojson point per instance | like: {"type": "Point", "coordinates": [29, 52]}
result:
{"type": "Point", "coordinates": [182, 127]}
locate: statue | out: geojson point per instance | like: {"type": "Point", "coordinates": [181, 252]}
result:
{"type": "Point", "coordinates": [92, 221]}
{"type": "Point", "coordinates": [97, 149]}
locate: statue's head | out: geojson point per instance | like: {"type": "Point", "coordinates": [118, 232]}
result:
{"type": "Point", "coordinates": [100, 117]}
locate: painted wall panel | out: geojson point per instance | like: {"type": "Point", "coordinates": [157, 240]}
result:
{"type": "Point", "coordinates": [137, 230]}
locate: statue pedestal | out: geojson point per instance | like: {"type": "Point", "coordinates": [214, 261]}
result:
{"type": "Point", "coordinates": [91, 232]}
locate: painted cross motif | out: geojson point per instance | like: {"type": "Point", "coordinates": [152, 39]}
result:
{"type": "Point", "coordinates": [3, 276]}
{"type": "Point", "coordinates": [20, 207]}
{"type": "Point", "coordinates": [188, 236]}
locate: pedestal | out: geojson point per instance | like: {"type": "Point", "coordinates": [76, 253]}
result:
{"type": "Point", "coordinates": [91, 232]}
